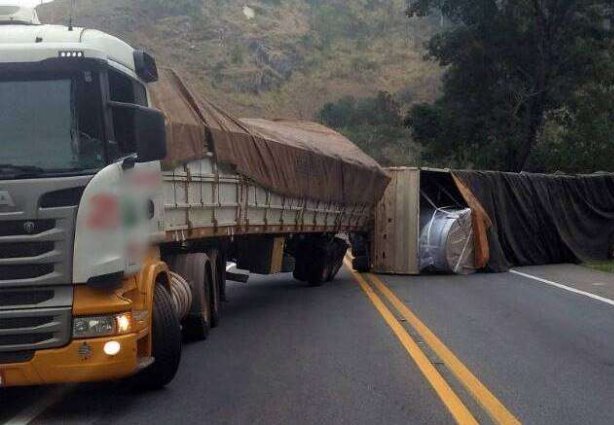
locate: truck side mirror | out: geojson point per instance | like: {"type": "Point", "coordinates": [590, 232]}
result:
{"type": "Point", "coordinates": [145, 65]}
{"type": "Point", "coordinates": [150, 135]}
{"type": "Point", "coordinates": [139, 129]}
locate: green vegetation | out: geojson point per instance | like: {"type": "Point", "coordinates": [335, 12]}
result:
{"type": "Point", "coordinates": [604, 266]}
{"type": "Point", "coordinates": [529, 85]}
{"type": "Point", "coordinates": [375, 124]}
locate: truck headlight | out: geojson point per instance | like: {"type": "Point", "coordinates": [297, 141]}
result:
{"type": "Point", "coordinates": [97, 326]}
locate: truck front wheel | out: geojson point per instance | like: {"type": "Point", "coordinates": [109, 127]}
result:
{"type": "Point", "coordinates": [166, 343]}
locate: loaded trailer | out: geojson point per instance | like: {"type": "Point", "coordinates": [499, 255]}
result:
{"type": "Point", "coordinates": [123, 197]}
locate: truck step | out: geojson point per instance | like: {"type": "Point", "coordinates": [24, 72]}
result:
{"type": "Point", "coordinates": [235, 276]}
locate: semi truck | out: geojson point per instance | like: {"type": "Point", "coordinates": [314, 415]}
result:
{"type": "Point", "coordinates": [123, 197]}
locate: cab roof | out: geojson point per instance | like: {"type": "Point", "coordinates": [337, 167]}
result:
{"type": "Point", "coordinates": [21, 30]}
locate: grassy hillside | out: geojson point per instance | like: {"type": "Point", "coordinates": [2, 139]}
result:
{"type": "Point", "coordinates": [289, 59]}
{"type": "Point", "coordinates": [275, 58]}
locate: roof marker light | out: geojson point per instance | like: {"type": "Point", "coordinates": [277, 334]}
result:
{"type": "Point", "coordinates": [71, 54]}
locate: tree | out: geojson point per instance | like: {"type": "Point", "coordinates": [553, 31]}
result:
{"type": "Point", "coordinates": [580, 136]}
{"type": "Point", "coordinates": [375, 124]}
{"type": "Point", "coordinates": [509, 62]}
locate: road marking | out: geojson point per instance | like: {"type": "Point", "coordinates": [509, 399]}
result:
{"type": "Point", "coordinates": [564, 287]}
{"type": "Point", "coordinates": [459, 411]}
{"type": "Point", "coordinates": [495, 409]}
{"type": "Point", "coordinates": [33, 411]}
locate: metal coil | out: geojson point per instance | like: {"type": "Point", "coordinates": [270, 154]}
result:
{"type": "Point", "coordinates": [446, 241]}
{"type": "Point", "coordinates": [181, 293]}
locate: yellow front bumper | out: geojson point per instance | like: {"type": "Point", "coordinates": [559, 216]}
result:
{"type": "Point", "coordinates": [81, 361]}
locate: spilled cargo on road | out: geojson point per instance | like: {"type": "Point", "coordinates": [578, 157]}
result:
{"type": "Point", "coordinates": [462, 221]}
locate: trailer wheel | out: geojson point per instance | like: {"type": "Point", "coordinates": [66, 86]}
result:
{"type": "Point", "coordinates": [166, 343]}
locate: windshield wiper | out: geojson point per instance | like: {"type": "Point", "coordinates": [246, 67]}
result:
{"type": "Point", "coordinates": [25, 171]}
{"type": "Point", "coordinates": [22, 169]}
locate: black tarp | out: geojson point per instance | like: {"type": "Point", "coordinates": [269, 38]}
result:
{"type": "Point", "coordinates": [544, 219]}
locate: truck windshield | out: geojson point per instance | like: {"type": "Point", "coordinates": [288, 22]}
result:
{"type": "Point", "coordinates": [49, 126]}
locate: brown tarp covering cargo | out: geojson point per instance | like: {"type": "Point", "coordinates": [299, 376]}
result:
{"type": "Point", "coordinates": [292, 158]}
{"type": "Point", "coordinates": [310, 158]}
{"type": "Point", "coordinates": [537, 219]}
{"type": "Point", "coordinates": [185, 130]}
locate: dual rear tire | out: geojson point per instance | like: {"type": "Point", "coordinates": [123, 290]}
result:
{"type": "Point", "coordinates": [206, 274]}
{"type": "Point", "coordinates": [318, 259]}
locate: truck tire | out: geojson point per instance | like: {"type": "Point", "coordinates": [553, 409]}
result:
{"type": "Point", "coordinates": [319, 269]}
{"type": "Point", "coordinates": [223, 260]}
{"type": "Point", "coordinates": [361, 264]}
{"type": "Point", "coordinates": [336, 266]}
{"type": "Point", "coordinates": [197, 325]}
{"type": "Point", "coordinates": [311, 261]}
{"type": "Point", "coordinates": [214, 283]}
{"type": "Point", "coordinates": [166, 343]}
{"type": "Point", "coordinates": [318, 259]}
{"type": "Point", "coordinates": [299, 273]}
{"type": "Point", "coordinates": [360, 245]}
{"type": "Point", "coordinates": [192, 267]}
{"type": "Point", "coordinates": [337, 252]}
{"type": "Point", "coordinates": [302, 257]}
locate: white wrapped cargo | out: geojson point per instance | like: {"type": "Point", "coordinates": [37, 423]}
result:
{"type": "Point", "coordinates": [447, 241]}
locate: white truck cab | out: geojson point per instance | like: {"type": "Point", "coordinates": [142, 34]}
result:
{"type": "Point", "coordinates": [71, 101]}
{"type": "Point", "coordinates": [77, 137]}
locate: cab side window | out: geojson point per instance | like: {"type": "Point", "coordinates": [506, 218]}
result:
{"type": "Point", "coordinates": [125, 90]}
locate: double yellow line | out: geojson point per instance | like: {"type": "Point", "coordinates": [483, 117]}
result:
{"type": "Point", "coordinates": [495, 409]}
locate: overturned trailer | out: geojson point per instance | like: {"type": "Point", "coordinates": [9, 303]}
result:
{"type": "Point", "coordinates": [461, 221]}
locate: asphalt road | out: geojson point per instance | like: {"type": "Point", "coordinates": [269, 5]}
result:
{"type": "Point", "coordinates": [288, 354]}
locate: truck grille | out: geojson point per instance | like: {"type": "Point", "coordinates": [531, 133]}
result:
{"type": "Point", "coordinates": [16, 297]}
{"type": "Point", "coordinates": [19, 272]}
{"type": "Point", "coordinates": [24, 330]}
{"type": "Point", "coordinates": [36, 252]}
{"type": "Point", "coordinates": [25, 227]}
{"type": "Point", "coordinates": [34, 318]}
{"type": "Point", "coordinates": [25, 249]}
{"type": "Point", "coordinates": [34, 298]}
{"type": "Point", "coordinates": [24, 322]}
